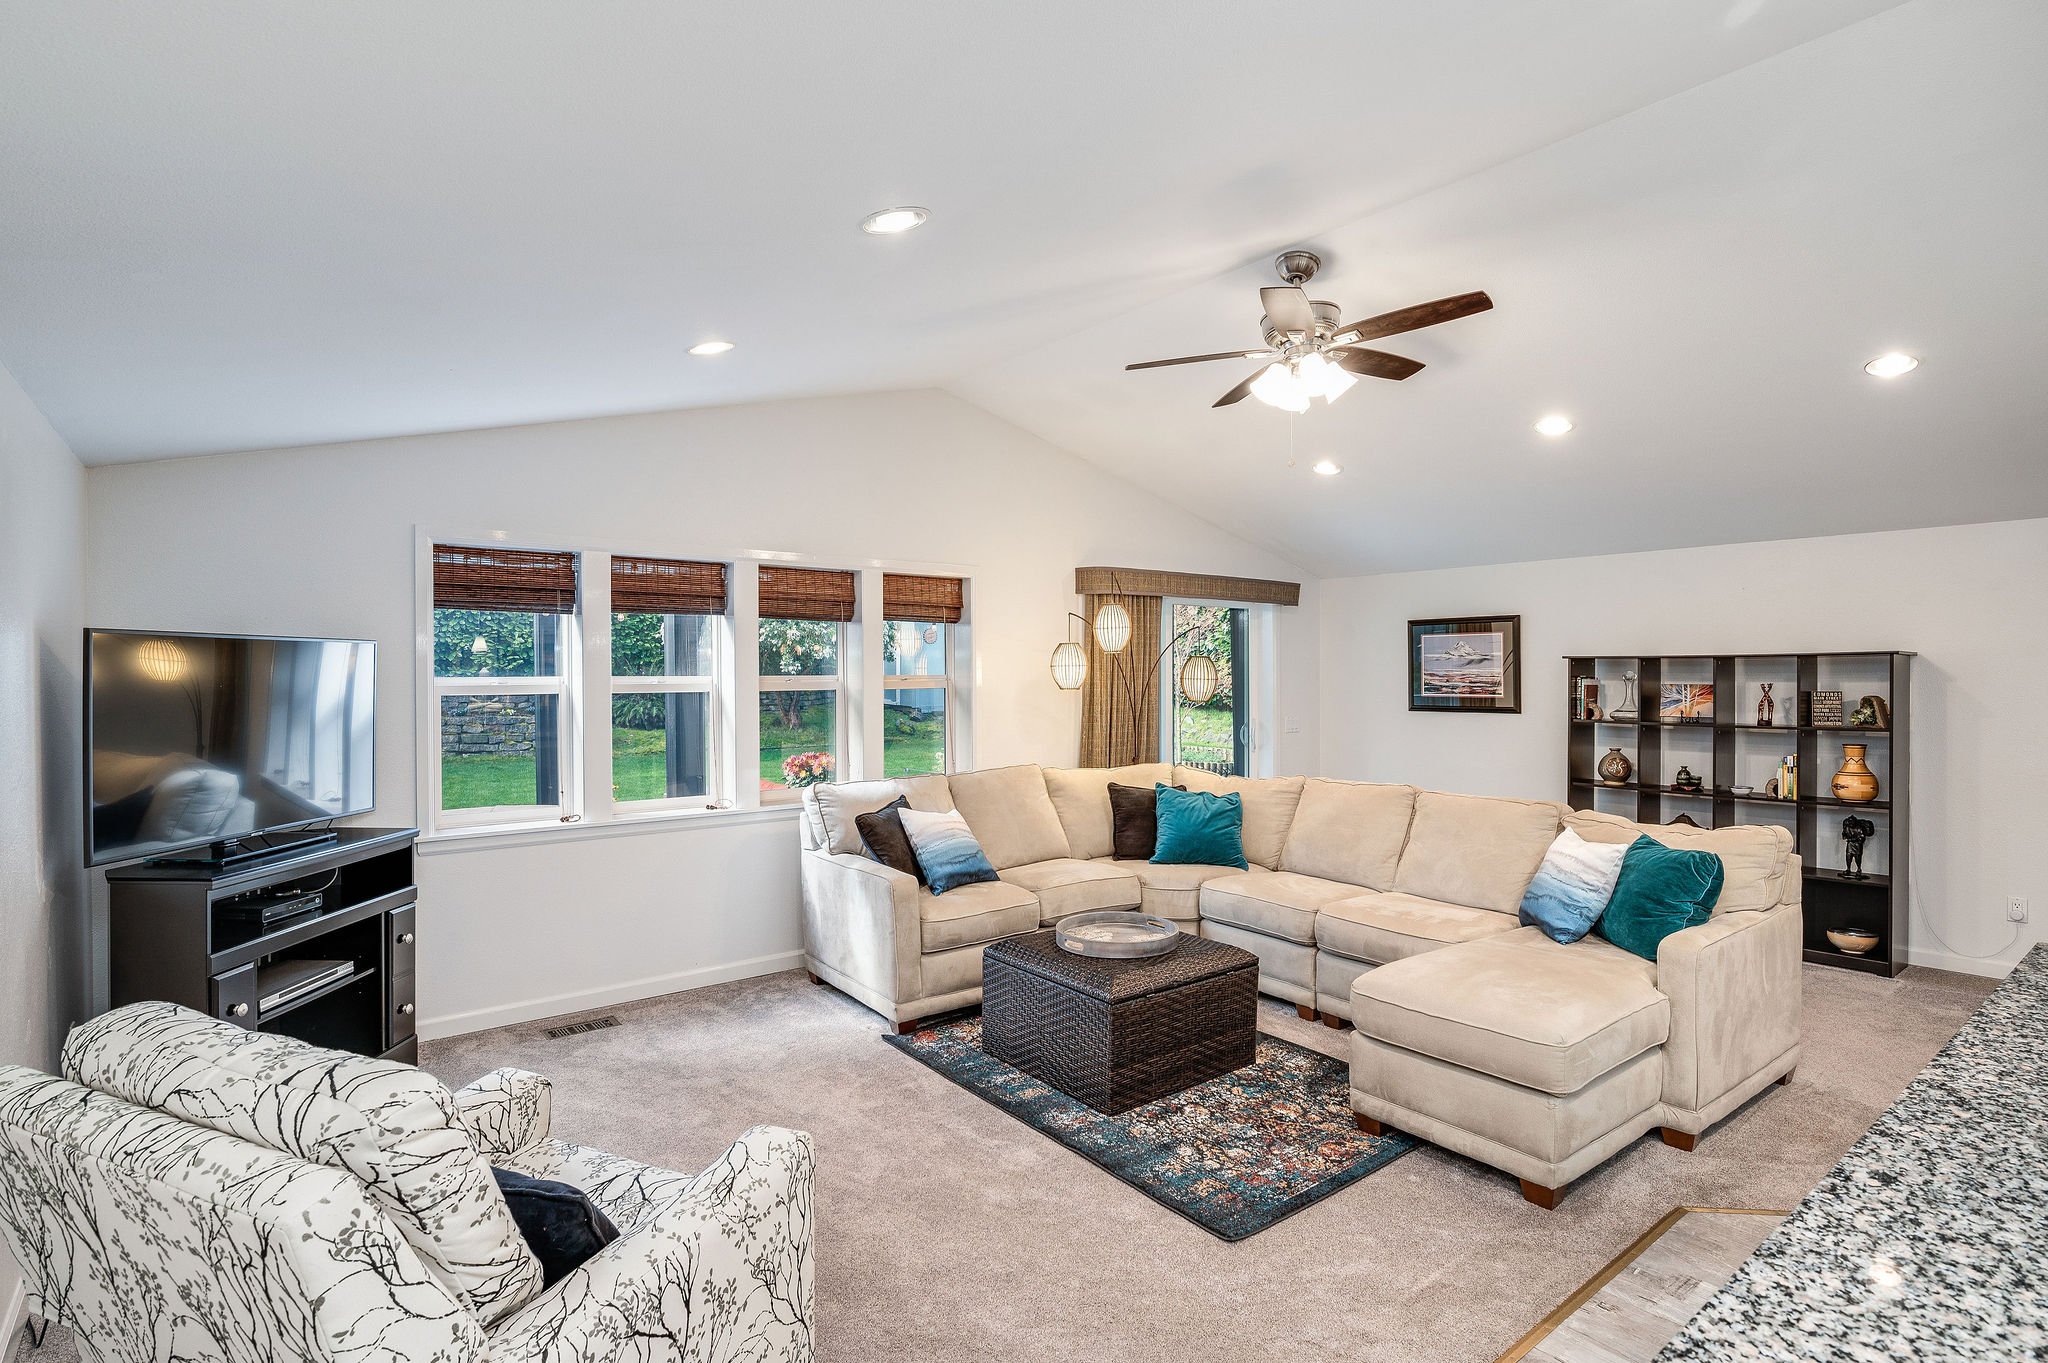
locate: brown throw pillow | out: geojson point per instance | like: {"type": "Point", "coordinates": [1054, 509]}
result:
{"type": "Point", "coordinates": [886, 841]}
{"type": "Point", "coordinates": [1134, 821]}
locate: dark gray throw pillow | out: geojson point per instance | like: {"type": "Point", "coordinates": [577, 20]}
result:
{"type": "Point", "coordinates": [561, 1225]}
{"type": "Point", "coordinates": [1134, 821]}
{"type": "Point", "coordinates": [886, 841]}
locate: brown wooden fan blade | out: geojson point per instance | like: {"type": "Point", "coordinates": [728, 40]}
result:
{"type": "Point", "coordinates": [1238, 393]}
{"type": "Point", "coordinates": [1374, 364]}
{"type": "Point", "coordinates": [1413, 319]}
{"type": "Point", "coordinates": [1195, 359]}
{"type": "Point", "coordinates": [1288, 309]}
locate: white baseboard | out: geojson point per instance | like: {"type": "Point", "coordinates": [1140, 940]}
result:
{"type": "Point", "coordinates": [554, 1005]}
{"type": "Point", "coordinates": [1964, 965]}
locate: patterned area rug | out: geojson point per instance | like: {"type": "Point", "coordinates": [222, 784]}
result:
{"type": "Point", "coordinates": [1234, 1155]}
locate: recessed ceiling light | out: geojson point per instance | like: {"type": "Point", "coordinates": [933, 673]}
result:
{"type": "Point", "coordinates": [1329, 468]}
{"type": "Point", "coordinates": [711, 347]}
{"type": "Point", "coordinates": [890, 222]}
{"type": "Point", "coordinates": [1554, 424]}
{"type": "Point", "coordinates": [1891, 364]}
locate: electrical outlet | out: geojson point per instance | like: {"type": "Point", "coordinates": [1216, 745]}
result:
{"type": "Point", "coordinates": [2016, 910]}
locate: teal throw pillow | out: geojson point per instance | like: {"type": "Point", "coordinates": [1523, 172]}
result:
{"type": "Point", "coordinates": [1197, 828]}
{"type": "Point", "coordinates": [1662, 890]}
{"type": "Point", "coordinates": [946, 849]}
{"type": "Point", "coordinates": [1572, 886]}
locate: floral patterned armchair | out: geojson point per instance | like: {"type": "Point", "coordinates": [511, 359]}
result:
{"type": "Point", "coordinates": [211, 1234]}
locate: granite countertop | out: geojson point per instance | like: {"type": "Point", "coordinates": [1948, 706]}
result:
{"type": "Point", "coordinates": [1929, 1241]}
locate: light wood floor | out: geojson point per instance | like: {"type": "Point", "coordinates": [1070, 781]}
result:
{"type": "Point", "coordinates": [1632, 1308]}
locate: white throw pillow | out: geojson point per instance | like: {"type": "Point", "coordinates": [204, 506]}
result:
{"type": "Point", "coordinates": [1572, 886]}
{"type": "Point", "coordinates": [946, 849]}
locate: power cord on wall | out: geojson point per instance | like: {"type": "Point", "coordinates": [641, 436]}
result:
{"type": "Point", "coordinates": [1912, 905]}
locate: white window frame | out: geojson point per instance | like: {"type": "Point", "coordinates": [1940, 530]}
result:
{"type": "Point", "coordinates": [716, 723]}
{"type": "Point", "coordinates": [843, 758]}
{"type": "Point", "coordinates": [943, 681]}
{"type": "Point", "coordinates": [566, 685]}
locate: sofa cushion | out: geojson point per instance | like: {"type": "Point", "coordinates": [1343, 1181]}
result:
{"type": "Point", "coordinates": [1392, 927]}
{"type": "Point", "coordinates": [1175, 891]}
{"type": "Point", "coordinates": [1572, 886]}
{"type": "Point", "coordinates": [882, 834]}
{"type": "Point", "coordinates": [976, 913]}
{"type": "Point", "coordinates": [1756, 858]}
{"type": "Point", "coordinates": [1198, 828]}
{"type": "Point", "coordinates": [1350, 831]}
{"type": "Point", "coordinates": [1474, 850]}
{"type": "Point", "coordinates": [1519, 1007]}
{"type": "Point", "coordinates": [1011, 814]}
{"type": "Point", "coordinates": [947, 851]}
{"type": "Point", "coordinates": [1080, 795]}
{"type": "Point", "coordinates": [1065, 886]}
{"type": "Point", "coordinates": [830, 811]}
{"type": "Point", "coordinates": [1268, 808]}
{"type": "Point", "coordinates": [1134, 820]}
{"type": "Point", "coordinates": [419, 1165]}
{"type": "Point", "coordinates": [1661, 890]}
{"type": "Point", "coordinates": [1277, 903]}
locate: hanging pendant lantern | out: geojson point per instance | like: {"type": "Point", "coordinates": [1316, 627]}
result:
{"type": "Point", "coordinates": [1199, 678]}
{"type": "Point", "coordinates": [1112, 627]}
{"type": "Point", "coordinates": [1069, 666]}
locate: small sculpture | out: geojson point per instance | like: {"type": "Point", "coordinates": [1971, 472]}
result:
{"type": "Point", "coordinates": [1855, 832]}
{"type": "Point", "coordinates": [1626, 711]}
{"type": "Point", "coordinates": [1766, 708]}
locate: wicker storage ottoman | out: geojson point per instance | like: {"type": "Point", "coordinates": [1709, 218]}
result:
{"type": "Point", "coordinates": [1117, 1033]}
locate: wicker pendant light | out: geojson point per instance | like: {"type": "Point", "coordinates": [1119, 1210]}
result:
{"type": "Point", "coordinates": [1112, 627]}
{"type": "Point", "coordinates": [1069, 666]}
{"type": "Point", "coordinates": [1199, 678]}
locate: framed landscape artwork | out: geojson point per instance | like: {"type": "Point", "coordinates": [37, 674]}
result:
{"type": "Point", "coordinates": [1466, 664]}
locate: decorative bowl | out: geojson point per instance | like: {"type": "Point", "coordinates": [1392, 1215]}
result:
{"type": "Point", "coordinates": [1742, 790]}
{"type": "Point", "coordinates": [1117, 933]}
{"type": "Point", "coordinates": [1854, 941]}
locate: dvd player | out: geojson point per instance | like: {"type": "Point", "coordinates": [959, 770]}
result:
{"type": "Point", "coordinates": [283, 982]}
{"type": "Point", "coordinates": [269, 908]}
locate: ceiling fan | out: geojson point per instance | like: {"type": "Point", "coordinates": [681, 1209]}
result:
{"type": "Point", "coordinates": [1309, 354]}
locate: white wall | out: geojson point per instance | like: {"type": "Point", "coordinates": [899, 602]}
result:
{"type": "Point", "coordinates": [1968, 599]}
{"type": "Point", "coordinates": [42, 881]}
{"type": "Point", "coordinates": [320, 541]}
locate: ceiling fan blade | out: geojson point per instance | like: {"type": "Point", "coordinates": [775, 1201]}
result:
{"type": "Point", "coordinates": [1287, 308]}
{"type": "Point", "coordinates": [1413, 319]}
{"type": "Point", "coordinates": [1198, 359]}
{"type": "Point", "coordinates": [1238, 393]}
{"type": "Point", "coordinates": [1374, 364]}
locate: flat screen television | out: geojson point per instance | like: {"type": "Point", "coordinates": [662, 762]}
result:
{"type": "Point", "coordinates": [222, 741]}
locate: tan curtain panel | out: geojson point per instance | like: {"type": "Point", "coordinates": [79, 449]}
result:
{"type": "Point", "coordinates": [1120, 699]}
{"type": "Point", "coordinates": [667, 586]}
{"type": "Point", "coordinates": [496, 579]}
{"type": "Point", "coordinates": [806, 594]}
{"type": "Point", "coordinates": [927, 600]}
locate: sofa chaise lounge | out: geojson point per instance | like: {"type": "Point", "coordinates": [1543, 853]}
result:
{"type": "Point", "coordinates": [1389, 907]}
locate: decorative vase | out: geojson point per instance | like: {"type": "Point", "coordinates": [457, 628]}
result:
{"type": "Point", "coordinates": [1855, 783]}
{"type": "Point", "coordinates": [1615, 768]}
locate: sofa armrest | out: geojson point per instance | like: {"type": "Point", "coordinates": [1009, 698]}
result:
{"type": "Point", "coordinates": [860, 920]}
{"type": "Point", "coordinates": [723, 1270]}
{"type": "Point", "coordinates": [505, 1112]}
{"type": "Point", "coordinates": [1734, 986]}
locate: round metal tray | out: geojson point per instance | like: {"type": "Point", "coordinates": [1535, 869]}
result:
{"type": "Point", "coordinates": [1117, 933]}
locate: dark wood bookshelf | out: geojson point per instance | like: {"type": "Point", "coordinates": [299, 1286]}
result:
{"type": "Point", "coordinates": [1731, 749]}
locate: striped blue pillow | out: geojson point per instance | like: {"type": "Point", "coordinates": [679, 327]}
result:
{"type": "Point", "coordinates": [946, 849]}
{"type": "Point", "coordinates": [1572, 886]}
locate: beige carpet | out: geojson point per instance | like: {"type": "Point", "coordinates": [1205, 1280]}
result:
{"type": "Point", "coordinates": [948, 1231]}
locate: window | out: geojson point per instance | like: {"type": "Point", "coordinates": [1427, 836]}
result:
{"type": "Point", "coordinates": [1207, 713]}
{"type": "Point", "coordinates": [504, 649]}
{"type": "Point", "coordinates": [802, 640]}
{"type": "Point", "coordinates": [919, 613]}
{"type": "Point", "coordinates": [668, 624]}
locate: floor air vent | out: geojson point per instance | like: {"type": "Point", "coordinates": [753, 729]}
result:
{"type": "Point", "coordinates": [578, 1028]}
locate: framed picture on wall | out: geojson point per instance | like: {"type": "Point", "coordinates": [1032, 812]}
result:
{"type": "Point", "coordinates": [1470, 663]}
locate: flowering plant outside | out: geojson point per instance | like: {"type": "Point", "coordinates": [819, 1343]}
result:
{"type": "Point", "coordinates": [806, 769]}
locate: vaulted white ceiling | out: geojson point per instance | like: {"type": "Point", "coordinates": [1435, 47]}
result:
{"type": "Point", "coordinates": [237, 225]}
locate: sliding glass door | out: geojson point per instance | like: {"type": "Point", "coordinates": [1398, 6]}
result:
{"type": "Point", "coordinates": [1207, 714]}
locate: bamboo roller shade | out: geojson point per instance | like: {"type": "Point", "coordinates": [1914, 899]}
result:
{"type": "Point", "coordinates": [933, 600]}
{"type": "Point", "coordinates": [539, 581]}
{"type": "Point", "coordinates": [806, 594]}
{"type": "Point", "coordinates": [667, 586]}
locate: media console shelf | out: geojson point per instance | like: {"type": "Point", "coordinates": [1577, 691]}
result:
{"type": "Point", "coordinates": [1732, 750]}
{"type": "Point", "coordinates": [192, 935]}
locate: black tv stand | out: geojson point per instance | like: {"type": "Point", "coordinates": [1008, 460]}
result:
{"type": "Point", "coordinates": [240, 852]}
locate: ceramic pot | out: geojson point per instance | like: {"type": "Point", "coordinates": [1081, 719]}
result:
{"type": "Point", "coordinates": [1854, 941]}
{"type": "Point", "coordinates": [1615, 768]}
{"type": "Point", "coordinates": [1855, 783]}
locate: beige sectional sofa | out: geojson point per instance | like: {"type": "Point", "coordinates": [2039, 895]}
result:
{"type": "Point", "coordinates": [1382, 905]}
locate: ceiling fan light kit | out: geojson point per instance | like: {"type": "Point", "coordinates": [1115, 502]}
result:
{"type": "Point", "coordinates": [1313, 353]}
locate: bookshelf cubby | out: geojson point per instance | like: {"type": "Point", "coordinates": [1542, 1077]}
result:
{"type": "Point", "coordinates": [1731, 749]}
